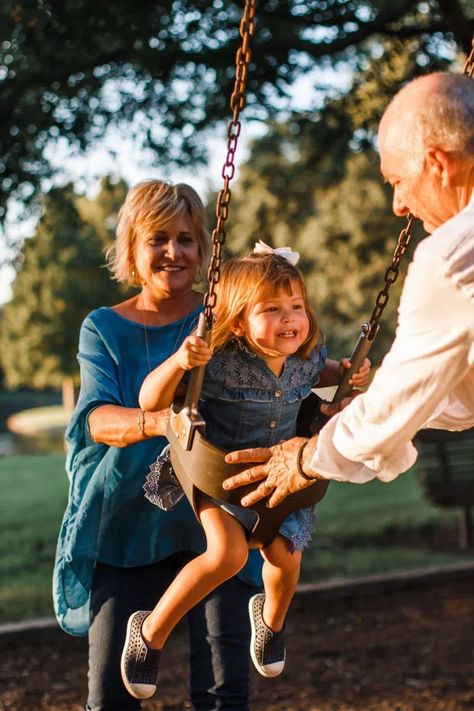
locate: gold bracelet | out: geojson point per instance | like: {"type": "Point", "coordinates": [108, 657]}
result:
{"type": "Point", "coordinates": [141, 423]}
{"type": "Point", "coordinates": [299, 465]}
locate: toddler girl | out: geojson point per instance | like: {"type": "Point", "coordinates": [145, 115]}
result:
{"type": "Point", "coordinates": [265, 356]}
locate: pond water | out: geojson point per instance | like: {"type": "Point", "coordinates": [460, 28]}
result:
{"type": "Point", "coordinates": [15, 401]}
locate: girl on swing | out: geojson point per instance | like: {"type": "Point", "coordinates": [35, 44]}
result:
{"type": "Point", "coordinates": [265, 356]}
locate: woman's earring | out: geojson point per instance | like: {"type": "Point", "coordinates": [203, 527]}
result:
{"type": "Point", "coordinates": [199, 277]}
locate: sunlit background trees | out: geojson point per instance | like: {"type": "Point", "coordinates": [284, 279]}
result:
{"type": "Point", "coordinates": [160, 74]}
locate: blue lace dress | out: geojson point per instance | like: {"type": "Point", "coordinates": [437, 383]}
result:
{"type": "Point", "coordinates": [244, 404]}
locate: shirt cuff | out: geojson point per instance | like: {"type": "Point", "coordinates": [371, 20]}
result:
{"type": "Point", "coordinates": [332, 458]}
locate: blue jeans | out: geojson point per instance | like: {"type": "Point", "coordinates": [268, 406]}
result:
{"type": "Point", "coordinates": [219, 634]}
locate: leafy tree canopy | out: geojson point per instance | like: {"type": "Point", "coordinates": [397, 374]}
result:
{"type": "Point", "coordinates": [345, 234]}
{"type": "Point", "coordinates": [310, 184]}
{"type": "Point", "coordinates": [71, 69]}
{"type": "Point", "coordinates": [60, 278]}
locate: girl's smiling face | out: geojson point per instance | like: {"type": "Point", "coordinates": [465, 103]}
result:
{"type": "Point", "coordinates": [276, 325]}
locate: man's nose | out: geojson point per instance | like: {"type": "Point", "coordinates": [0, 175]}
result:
{"type": "Point", "coordinates": [398, 205]}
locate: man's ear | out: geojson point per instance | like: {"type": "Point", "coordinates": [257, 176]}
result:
{"type": "Point", "coordinates": [441, 165]}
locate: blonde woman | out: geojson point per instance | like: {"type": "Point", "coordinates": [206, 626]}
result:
{"type": "Point", "coordinates": [267, 355]}
{"type": "Point", "coordinates": [115, 550]}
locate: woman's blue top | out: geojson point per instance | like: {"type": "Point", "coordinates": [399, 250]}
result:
{"type": "Point", "coordinates": [107, 518]}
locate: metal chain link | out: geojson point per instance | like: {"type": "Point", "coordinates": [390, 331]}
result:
{"type": "Point", "coordinates": [391, 275]}
{"type": "Point", "coordinates": [237, 103]}
{"type": "Point", "coordinates": [469, 66]}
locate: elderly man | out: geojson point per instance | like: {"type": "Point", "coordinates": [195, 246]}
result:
{"type": "Point", "coordinates": [426, 144]}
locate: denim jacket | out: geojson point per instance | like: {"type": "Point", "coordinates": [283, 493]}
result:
{"type": "Point", "coordinates": [245, 404]}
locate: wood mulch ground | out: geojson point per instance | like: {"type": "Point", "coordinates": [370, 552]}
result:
{"type": "Point", "coordinates": [398, 650]}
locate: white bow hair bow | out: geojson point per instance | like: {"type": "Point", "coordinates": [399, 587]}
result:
{"type": "Point", "coordinates": [285, 252]}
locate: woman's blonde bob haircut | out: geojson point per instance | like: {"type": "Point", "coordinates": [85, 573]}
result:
{"type": "Point", "coordinates": [152, 205]}
{"type": "Point", "coordinates": [243, 281]}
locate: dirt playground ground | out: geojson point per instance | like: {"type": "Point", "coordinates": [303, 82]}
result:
{"type": "Point", "coordinates": [394, 650]}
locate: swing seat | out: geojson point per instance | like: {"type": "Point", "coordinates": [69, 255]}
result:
{"type": "Point", "coordinates": [202, 468]}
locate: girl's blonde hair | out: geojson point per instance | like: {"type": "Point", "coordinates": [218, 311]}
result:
{"type": "Point", "coordinates": [152, 205]}
{"type": "Point", "coordinates": [242, 281]}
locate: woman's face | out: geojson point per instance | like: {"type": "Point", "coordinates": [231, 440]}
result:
{"type": "Point", "coordinates": [166, 260]}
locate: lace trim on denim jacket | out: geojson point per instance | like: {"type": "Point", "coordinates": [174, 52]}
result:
{"type": "Point", "coordinates": [239, 367]}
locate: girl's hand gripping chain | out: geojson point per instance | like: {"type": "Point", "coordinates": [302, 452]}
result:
{"type": "Point", "coordinates": [193, 353]}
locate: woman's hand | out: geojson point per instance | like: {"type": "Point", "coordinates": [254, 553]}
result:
{"type": "Point", "coordinates": [359, 379]}
{"type": "Point", "coordinates": [193, 353]}
{"type": "Point", "coordinates": [277, 471]}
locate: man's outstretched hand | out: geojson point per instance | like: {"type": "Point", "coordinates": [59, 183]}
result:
{"type": "Point", "coordinates": [274, 467]}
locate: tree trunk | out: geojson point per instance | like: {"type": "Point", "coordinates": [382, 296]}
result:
{"type": "Point", "coordinates": [69, 394]}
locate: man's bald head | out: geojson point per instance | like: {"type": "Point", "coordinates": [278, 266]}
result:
{"type": "Point", "coordinates": [426, 145]}
{"type": "Point", "coordinates": [433, 110]}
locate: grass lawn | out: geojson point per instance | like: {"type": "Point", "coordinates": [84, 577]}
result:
{"type": "Point", "coordinates": [361, 529]}
{"type": "Point", "coordinates": [34, 494]}
{"type": "Point", "coordinates": [376, 528]}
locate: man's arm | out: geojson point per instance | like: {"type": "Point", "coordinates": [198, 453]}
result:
{"type": "Point", "coordinates": [430, 358]}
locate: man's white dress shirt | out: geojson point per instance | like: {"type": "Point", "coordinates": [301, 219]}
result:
{"type": "Point", "coordinates": [426, 379]}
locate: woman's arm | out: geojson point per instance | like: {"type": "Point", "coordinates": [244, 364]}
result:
{"type": "Point", "coordinates": [159, 387]}
{"type": "Point", "coordinates": [120, 426]}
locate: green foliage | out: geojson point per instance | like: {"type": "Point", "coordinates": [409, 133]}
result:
{"type": "Point", "coordinates": [313, 182]}
{"type": "Point", "coordinates": [101, 213]}
{"type": "Point", "coordinates": [71, 69]}
{"type": "Point", "coordinates": [345, 233]}
{"type": "Point", "coordinates": [347, 247]}
{"type": "Point", "coordinates": [60, 278]}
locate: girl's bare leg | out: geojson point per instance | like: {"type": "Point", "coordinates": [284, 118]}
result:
{"type": "Point", "coordinates": [281, 570]}
{"type": "Point", "coordinates": [226, 554]}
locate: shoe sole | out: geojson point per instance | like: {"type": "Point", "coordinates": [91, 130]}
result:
{"type": "Point", "coordinates": [252, 645]}
{"type": "Point", "coordinates": [126, 683]}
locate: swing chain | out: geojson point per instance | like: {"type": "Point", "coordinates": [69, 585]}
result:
{"type": "Point", "coordinates": [237, 103]}
{"type": "Point", "coordinates": [391, 275]}
{"type": "Point", "coordinates": [469, 65]}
